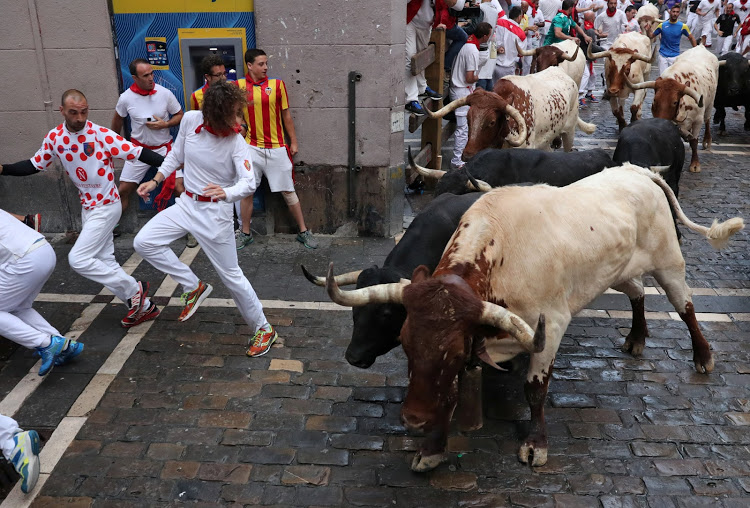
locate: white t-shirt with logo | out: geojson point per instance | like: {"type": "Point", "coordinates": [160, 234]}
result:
{"type": "Point", "coordinates": [87, 156]}
{"type": "Point", "coordinates": [140, 108]}
{"type": "Point", "coordinates": [738, 9]}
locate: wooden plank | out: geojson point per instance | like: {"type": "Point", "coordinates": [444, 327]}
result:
{"type": "Point", "coordinates": [421, 60]}
{"type": "Point", "coordinates": [415, 121]}
{"type": "Point", "coordinates": [432, 130]}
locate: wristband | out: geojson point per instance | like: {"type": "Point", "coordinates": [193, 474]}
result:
{"type": "Point", "coordinates": [154, 180]}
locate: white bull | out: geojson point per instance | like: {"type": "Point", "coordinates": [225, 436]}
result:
{"type": "Point", "coordinates": [565, 54]}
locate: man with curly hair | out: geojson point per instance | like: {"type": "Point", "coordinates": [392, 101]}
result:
{"type": "Point", "coordinates": [217, 173]}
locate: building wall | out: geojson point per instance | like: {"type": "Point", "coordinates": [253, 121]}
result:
{"type": "Point", "coordinates": [48, 46]}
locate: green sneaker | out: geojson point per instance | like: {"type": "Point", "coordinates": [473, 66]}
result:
{"type": "Point", "coordinates": [306, 238]}
{"type": "Point", "coordinates": [25, 458]}
{"type": "Point", "coordinates": [242, 239]}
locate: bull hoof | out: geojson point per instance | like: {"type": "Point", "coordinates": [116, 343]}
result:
{"type": "Point", "coordinates": [703, 365]}
{"type": "Point", "coordinates": [422, 464]}
{"type": "Point", "coordinates": [633, 346]}
{"type": "Point", "coordinates": [695, 168]}
{"type": "Point", "coordinates": [537, 454]}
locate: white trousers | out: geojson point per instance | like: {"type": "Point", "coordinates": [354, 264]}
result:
{"type": "Point", "coordinates": [724, 44]}
{"type": "Point", "coordinates": [93, 255]}
{"type": "Point", "coordinates": [8, 429]}
{"type": "Point", "coordinates": [501, 71]}
{"type": "Point", "coordinates": [664, 62]}
{"type": "Point", "coordinates": [588, 81]}
{"type": "Point", "coordinates": [460, 137]}
{"type": "Point", "coordinates": [707, 28]}
{"type": "Point", "coordinates": [211, 225]}
{"type": "Point", "coordinates": [21, 280]}
{"type": "Point", "coordinates": [416, 41]}
{"type": "Point", "coordinates": [693, 23]}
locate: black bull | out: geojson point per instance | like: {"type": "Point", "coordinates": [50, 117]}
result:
{"type": "Point", "coordinates": [733, 88]}
{"type": "Point", "coordinates": [499, 167]}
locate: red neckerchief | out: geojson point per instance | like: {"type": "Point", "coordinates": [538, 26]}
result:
{"type": "Point", "coordinates": [612, 13]}
{"type": "Point", "coordinates": [250, 81]}
{"type": "Point", "coordinates": [473, 40]}
{"type": "Point", "coordinates": [513, 27]}
{"type": "Point", "coordinates": [209, 129]}
{"type": "Point", "coordinates": [140, 91]}
{"type": "Point", "coordinates": [588, 25]}
{"type": "Point", "coordinates": [533, 10]}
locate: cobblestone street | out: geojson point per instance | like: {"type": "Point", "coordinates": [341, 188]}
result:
{"type": "Point", "coordinates": [171, 413]}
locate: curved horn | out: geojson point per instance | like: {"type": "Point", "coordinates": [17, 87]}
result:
{"type": "Point", "coordinates": [502, 318]}
{"type": "Point", "coordinates": [426, 172]}
{"type": "Point", "coordinates": [440, 113]}
{"type": "Point", "coordinates": [697, 97]}
{"type": "Point", "coordinates": [659, 169]}
{"type": "Point", "coordinates": [382, 293]}
{"type": "Point", "coordinates": [515, 115]}
{"type": "Point", "coordinates": [525, 52]}
{"type": "Point", "coordinates": [474, 184]}
{"type": "Point", "coordinates": [639, 86]}
{"type": "Point", "coordinates": [722, 63]}
{"type": "Point", "coordinates": [594, 56]}
{"type": "Point", "coordinates": [573, 57]}
{"type": "Point", "coordinates": [644, 58]}
{"type": "Point", "coordinates": [345, 279]}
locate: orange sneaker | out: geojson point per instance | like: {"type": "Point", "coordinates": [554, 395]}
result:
{"type": "Point", "coordinates": [193, 299]}
{"type": "Point", "coordinates": [262, 341]}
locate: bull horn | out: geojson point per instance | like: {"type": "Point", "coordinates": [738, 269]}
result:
{"type": "Point", "coordinates": [644, 58]}
{"type": "Point", "coordinates": [722, 63]}
{"type": "Point", "coordinates": [525, 52]}
{"type": "Point", "coordinates": [639, 86]}
{"type": "Point", "coordinates": [594, 56]}
{"type": "Point", "coordinates": [345, 279]}
{"type": "Point", "coordinates": [697, 97]}
{"type": "Point", "coordinates": [480, 351]}
{"type": "Point", "coordinates": [426, 172]}
{"type": "Point", "coordinates": [570, 58]}
{"type": "Point", "coordinates": [480, 185]}
{"type": "Point", "coordinates": [440, 113]}
{"type": "Point", "coordinates": [659, 169]}
{"type": "Point", "coordinates": [515, 115]}
{"type": "Point", "coordinates": [382, 293]}
{"type": "Point", "coordinates": [502, 318]}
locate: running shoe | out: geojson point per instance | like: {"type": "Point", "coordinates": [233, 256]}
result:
{"type": "Point", "coordinates": [25, 458]}
{"type": "Point", "coordinates": [74, 349]}
{"type": "Point", "coordinates": [50, 353]}
{"type": "Point", "coordinates": [582, 103]}
{"type": "Point", "coordinates": [242, 239]}
{"type": "Point", "coordinates": [592, 98]}
{"type": "Point", "coordinates": [193, 299]}
{"type": "Point", "coordinates": [414, 107]}
{"type": "Point", "coordinates": [33, 220]}
{"type": "Point", "coordinates": [262, 341]}
{"type": "Point", "coordinates": [146, 314]}
{"type": "Point", "coordinates": [135, 306]}
{"type": "Point", "coordinates": [432, 94]}
{"type": "Point", "coordinates": [190, 241]}
{"type": "Point", "coordinates": [306, 238]}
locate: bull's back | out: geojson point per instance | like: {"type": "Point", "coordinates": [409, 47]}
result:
{"type": "Point", "coordinates": [697, 68]}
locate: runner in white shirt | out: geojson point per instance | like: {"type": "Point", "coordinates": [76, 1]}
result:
{"type": "Point", "coordinates": [632, 25]}
{"type": "Point", "coordinates": [86, 152]}
{"type": "Point", "coordinates": [549, 9]}
{"type": "Point", "coordinates": [149, 106]}
{"type": "Point", "coordinates": [611, 22]}
{"type": "Point", "coordinates": [531, 22]}
{"type": "Point", "coordinates": [217, 173]}
{"type": "Point", "coordinates": [742, 9]}
{"type": "Point", "coordinates": [507, 33]}
{"type": "Point", "coordinates": [464, 75]}
{"type": "Point", "coordinates": [623, 4]}
{"type": "Point", "coordinates": [490, 10]}
{"type": "Point", "coordinates": [708, 11]}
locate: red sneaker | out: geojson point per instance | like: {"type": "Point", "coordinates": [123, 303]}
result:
{"type": "Point", "coordinates": [135, 305]}
{"type": "Point", "coordinates": [193, 299]}
{"type": "Point", "coordinates": [262, 342]}
{"type": "Point", "coordinates": [146, 314]}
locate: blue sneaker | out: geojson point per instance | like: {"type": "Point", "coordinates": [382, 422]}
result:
{"type": "Point", "coordinates": [414, 107]}
{"type": "Point", "coordinates": [432, 94]}
{"type": "Point", "coordinates": [25, 458]}
{"type": "Point", "coordinates": [74, 349]}
{"type": "Point", "coordinates": [50, 353]}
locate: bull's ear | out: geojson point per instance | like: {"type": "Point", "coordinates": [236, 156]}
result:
{"type": "Point", "coordinates": [420, 273]}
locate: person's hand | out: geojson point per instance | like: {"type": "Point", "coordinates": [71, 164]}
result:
{"type": "Point", "coordinates": [533, 28]}
{"type": "Point", "coordinates": [293, 148]}
{"type": "Point", "coordinates": [721, 34]}
{"type": "Point", "coordinates": [576, 40]}
{"type": "Point", "coordinates": [214, 191]}
{"type": "Point", "coordinates": [586, 38]}
{"type": "Point", "coordinates": [441, 26]}
{"type": "Point", "coordinates": [158, 123]}
{"type": "Point", "coordinates": [145, 189]}
{"type": "Point", "coordinates": [501, 50]}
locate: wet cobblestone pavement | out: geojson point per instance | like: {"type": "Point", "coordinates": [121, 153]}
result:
{"type": "Point", "coordinates": [189, 419]}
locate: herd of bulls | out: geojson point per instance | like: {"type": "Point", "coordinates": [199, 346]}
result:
{"type": "Point", "coordinates": [518, 241]}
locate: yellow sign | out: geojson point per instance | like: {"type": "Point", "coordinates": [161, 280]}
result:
{"type": "Point", "coordinates": [149, 6]}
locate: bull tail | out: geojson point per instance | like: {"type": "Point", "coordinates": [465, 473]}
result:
{"type": "Point", "coordinates": [587, 128]}
{"type": "Point", "coordinates": [717, 235]}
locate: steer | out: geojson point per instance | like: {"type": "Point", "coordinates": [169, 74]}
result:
{"type": "Point", "coordinates": [534, 256]}
{"type": "Point", "coordinates": [522, 111]}
{"type": "Point", "coordinates": [494, 168]}
{"type": "Point", "coordinates": [647, 17]}
{"type": "Point", "coordinates": [733, 89]}
{"type": "Point", "coordinates": [685, 94]}
{"type": "Point", "coordinates": [565, 54]}
{"type": "Point", "coordinates": [376, 326]}
{"type": "Point", "coordinates": [629, 59]}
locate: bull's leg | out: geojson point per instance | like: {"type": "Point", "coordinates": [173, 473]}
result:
{"type": "Point", "coordinates": [635, 108]}
{"type": "Point", "coordinates": [636, 339]}
{"type": "Point", "coordinates": [695, 163]}
{"type": "Point", "coordinates": [719, 117]}
{"type": "Point", "coordinates": [707, 135]}
{"type": "Point", "coordinates": [614, 103]}
{"type": "Point", "coordinates": [432, 452]}
{"type": "Point", "coordinates": [673, 282]}
{"type": "Point", "coordinates": [567, 139]}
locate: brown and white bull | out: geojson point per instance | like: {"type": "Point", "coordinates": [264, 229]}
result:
{"type": "Point", "coordinates": [629, 60]}
{"type": "Point", "coordinates": [685, 94]}
{"type": "Point", "coordinates": [522, 111]}
{"type": "Point", "coordinates": [647, 17]}
{"type": "Point", "coordinates": [565, 54]}
{"type": "Point", "coordinates": [534, 256]}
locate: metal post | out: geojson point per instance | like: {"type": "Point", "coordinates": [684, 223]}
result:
{"type": "Point", "coordinates": [354, 76]}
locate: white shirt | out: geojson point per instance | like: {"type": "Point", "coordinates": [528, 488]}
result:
{"type": "Point", "coordinates": [549, 8]}
{"type": "Point", "coordinates": [490, 10]}
{"type": "Point", "coordinates": [709, 8]}
{"type": "Point", "coordinates": [422, 20]}
{"type": "Point", "coordinates": [467, 60]}
{"type": "Point", "coordinates": [507, 39]}
{"type": "Point", "coordinates": [738, 9]}
{"type": "Point", "coordinates": [582, 4]}
{"type": "Point", "coordinates": [534, 39]}
{"type": "Point", "coordinates": [623, 4]}
{"type": "Point", "coordinates": [16, 238]}
{"type": "Point", "coordinates": [612, 26]}
{"type": "Point", "coordinates": [221, 160]}
{"type": "Point", "coordinates": [632, 26]}
{"type": "Point", "coordinates": [87, 157]}
{"type": "Point", "coordinates": [141, 107]}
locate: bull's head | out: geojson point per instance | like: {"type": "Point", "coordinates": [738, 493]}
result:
{"type": "Point", "coordinates": [734, 75]}
{"type": "Point", "coordinates": [457, 182]}
{"type": "Point", "coordinates": [377, 325]}
{"type": "Point", "coordinates": [667, 95]}
{"type": "Point", "coordinates": [547, 56]}
{"type": "Point", "coordinates": [488, 120]}
{"type": "Point", "coordinates": [618, 66]}
{"type": "Point", "coordinates": [444, 319]}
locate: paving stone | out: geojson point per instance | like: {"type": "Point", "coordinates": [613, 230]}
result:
{"type": "Point", "coordinates": [179, 469]}
{"type": "Point", "coordinates": [628, 485]}
{"type": "Point", "coordinates": [305, 475]}
{"type": "Point", "coordinates": [453, 480]}
{"type": "Point", "coordinates": [331, 423]}
{"type": "Point", "coordinates": [205, 402]}
{"type": "Point", "coordinates": [267, 455]}
{"type": "Point", "coordinates": [68, 502]}
{"type": "Point", "coordinates": [325, 456]}
{"type": "Point", "coordinates": [335, 393]}
{"type": "Point", "coordinates": [131, 468]}
{"type": "Point", "coordinates": [233, 437]}
{"type": "Point", "coordinates": [369, 496]}
{"type": "Point", "coordinates": [290, 365]}
{"type": "Point", "coordinates": [643, 449]}
{"type": "Point", "coordinates": [286, 391]}
{"type": "Point", "coordinates": [532, 500]}
{"type": "Point", "coordinates": [666, 486]}
{"type": "Point", "coordinates": [197, 490]}
{"type": "Point", "coordinates": [165, 451]}
{"type": "Point", "coordinates": [356, 442]}
{"type": "Point", "coordinates": [228, 473]}
{"type": "Point", "coordinates": [225, 419]}
{"type": "Point", "coordinates": [712, 487]}
{"type": "Point", "coordinates": [123, 450]}
{"type": "Point", "coordinates": [247, 494]}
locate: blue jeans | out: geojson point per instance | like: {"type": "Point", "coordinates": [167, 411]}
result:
{"type": "Point", "coordinates": [459, 37]}
{"type": "Point", "coordinates": [485, 83]}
